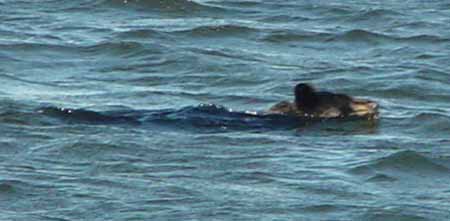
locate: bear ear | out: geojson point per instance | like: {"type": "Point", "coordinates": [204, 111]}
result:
{"type": "Point", "coordinates": [305, 96]}
{"type": "Point", "coordinates": [303, 89]}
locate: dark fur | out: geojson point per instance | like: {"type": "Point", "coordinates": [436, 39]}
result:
{"type": "Point", "coordinates": [309, 102]}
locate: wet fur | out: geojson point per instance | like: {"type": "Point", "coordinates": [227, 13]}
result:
{"type": "Point", "coordinates": [322, 104]}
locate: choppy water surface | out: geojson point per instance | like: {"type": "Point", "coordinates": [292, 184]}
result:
{"type": "Point", "coordinates": [150, 110]}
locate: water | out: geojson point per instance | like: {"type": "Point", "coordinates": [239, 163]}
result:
{"type": "Point", "coordinates": [152, 110]}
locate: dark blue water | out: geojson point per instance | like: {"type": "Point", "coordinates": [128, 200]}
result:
{"type": "Point", "coordinates": [154, 110]}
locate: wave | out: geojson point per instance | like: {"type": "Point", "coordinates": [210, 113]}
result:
{"type": "Point", "coordinates": [288, 36]}
{"type": "Point", "coordinates": [36, 47]}
{"type": "Point", "coordinates": [351, 36]}
{"type": "Point", "coordinates": [284, 18]}
{"type": "Point", "coordinates": [363, 35]}
{"type": "Point", "coordinates": [140, 34]}
{"type": "Point", "coordinates": [423, 38]}
{"type": "Point", "coordinates": [425, 56]}
{"type": "Point", "coordinates": [399, 164]}
{"type": "Point", "coordinates": [392, 215]}
{"type": "Point", "coordinates": [116, 48]}
{"type": "Point", "coordinates": [6, 188]}
{"type": "Point", "coordinates": [431, 122]}
{"type": "Point", "coordinates": [227, 53]}
{"type": "Point", "coordinates": [16, 85]}
{"type": "Point", "coordinates": [373, 15]}
{"type": "Point", "coordinates": [7, 58]}
{"type": "Point", "coordinates": [432, 116]}
{"type": "Point", "coordinates": [218, 30]}
{"type": "Point", "coordinates": [11, 186]}
{"type": "Point", "coordinates": [13, 80]}
{"type": "Point", "coordinates": [376, 13]}
{"type": "Point", "coordinates": [241, 3]}
{"type": "Point", "coordinates": [418, 25]}
{"type": "Point", "coordinates": [125, 47]}
{"type": "Point", "coordinates": [119, 48]}
{"type": "Point", "coordinates": [333, 10]}
{"type": "Point", "coordinates": [358, 35]}
{"type": "Point", "coordinates": [181, 6]}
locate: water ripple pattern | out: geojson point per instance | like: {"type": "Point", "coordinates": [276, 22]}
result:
{"type": "Point", "coordinates": [155, 110]}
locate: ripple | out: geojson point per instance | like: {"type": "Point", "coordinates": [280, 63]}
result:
{"type": "Point", "coordinates": [118, 48]}
{"type": "Point", "coordinates": [322, 208]}
{"type": "Point", "coordinates": [423, 38]}
{"type": "Point", "coordinates": [178, 6]}
{"type": "Point", "coordinates": [381, 178]}
{"type": "Point", "coordinates": [141, 34]}
{"type": "Point", "coordinates": [242, 3]}
{"type": "Point", "coordinates": [20, 47]}
{"type": "Point", "coordinates": [285, 18]}
{"type": "Point", "coordinates": [354, 35]}
{"type": "Point", "coordinates": [409, 162]}
{"type": "Point", "coordinates": [359, 35]}
{"type": "Point", "coordinates": [428, 56]}
{"type": "Point", "coordinates": [226, 53]}
{"type": "Point", "coordinates": [287, 36]}
{"type": "Point", "coordinates": [431, 122]}
{"type": "Point", "coordinates": [25, 81]}
{"type": "Point", "coordinates": [392, 216]}
{"type": "Point", "coordinates": [348, 36]}
{"type": "Point", "coordinates": [374, 15]}
{"type": "Point", "coordinates": [6, 187]}
{"type": "Point", "coordinates": [248, 177]}
{"type": "Point", "coordinates": [219, 30]}
{"type": "Point", "coordinates": [17, 187]}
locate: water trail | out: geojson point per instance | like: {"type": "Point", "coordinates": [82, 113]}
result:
{"type": "Point", "coordinates": [207, 117]}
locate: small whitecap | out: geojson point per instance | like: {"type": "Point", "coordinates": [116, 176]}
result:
{"type": "Point", "coordinates": [251, 112]}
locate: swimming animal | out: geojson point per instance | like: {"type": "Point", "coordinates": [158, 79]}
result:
{"type": "Point", "coordinates": [322, 104]}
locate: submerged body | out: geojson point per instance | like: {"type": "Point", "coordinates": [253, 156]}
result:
{"type": "Point", "coordinates": [309, 103]}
